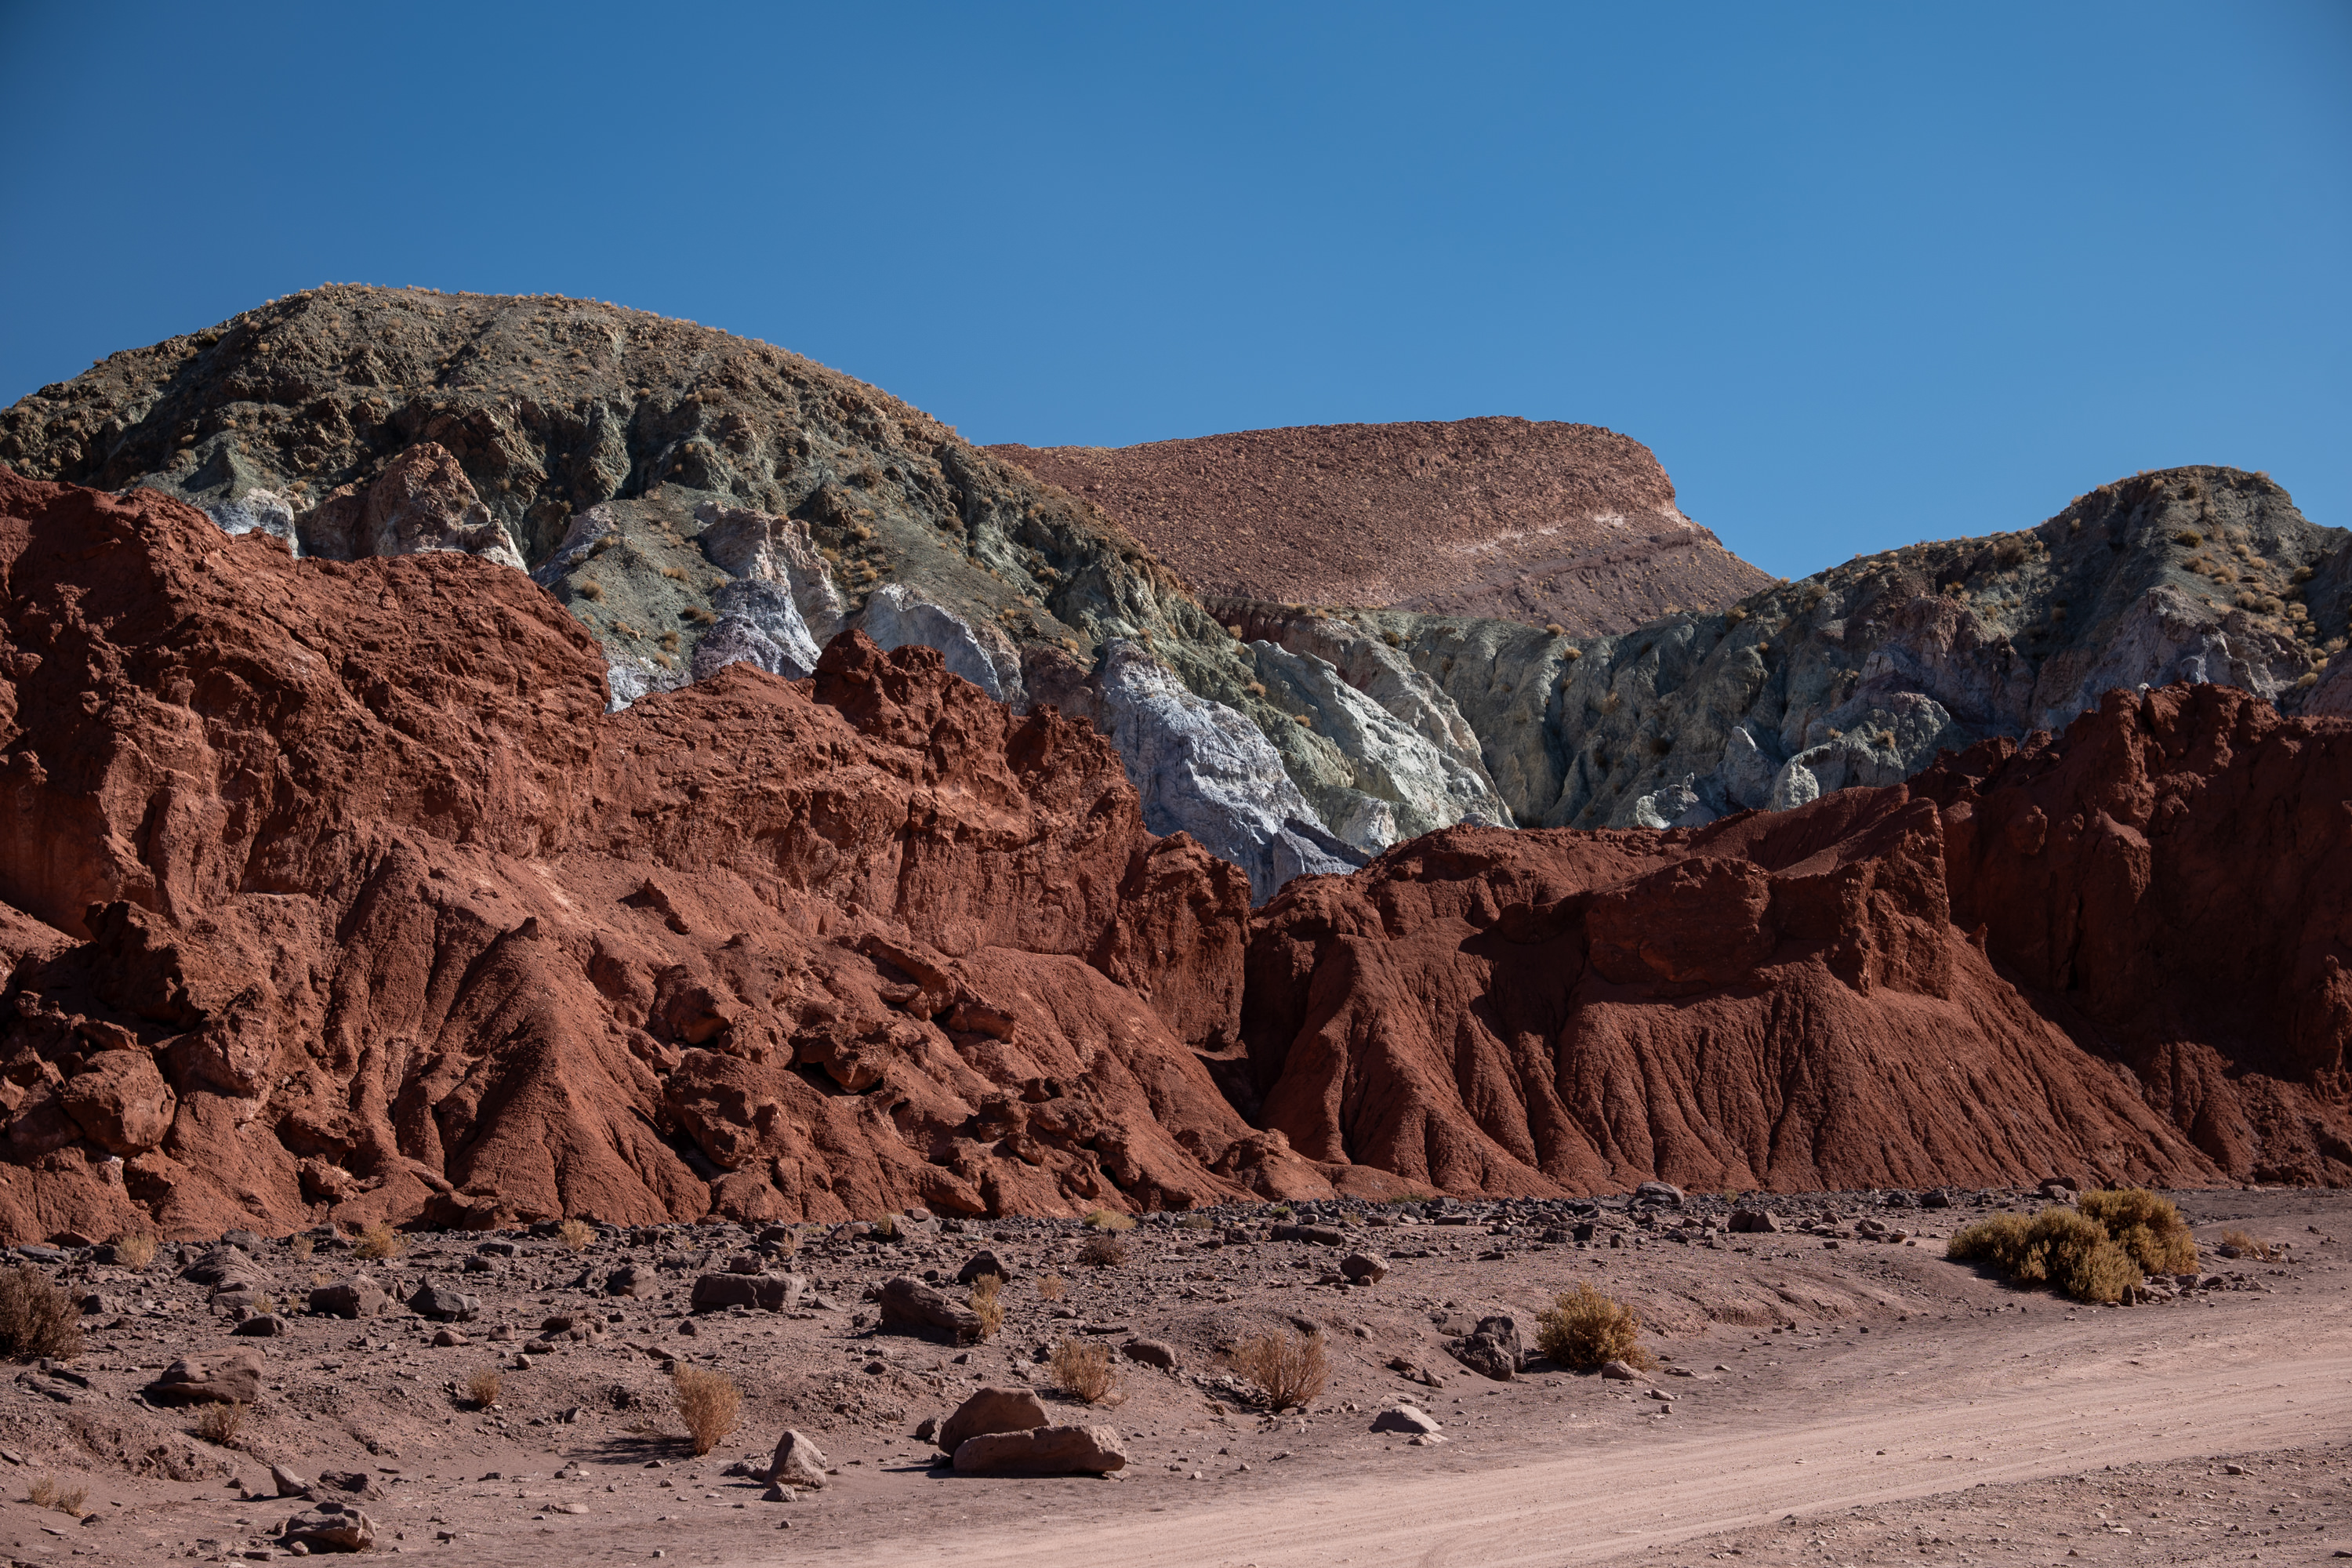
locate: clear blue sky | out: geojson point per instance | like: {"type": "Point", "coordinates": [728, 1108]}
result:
{"type": "Point", "coordinates": [1860, 274]}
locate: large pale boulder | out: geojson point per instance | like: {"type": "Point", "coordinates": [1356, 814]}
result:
{"type": "Point", "coordinates": [1046, 1451]}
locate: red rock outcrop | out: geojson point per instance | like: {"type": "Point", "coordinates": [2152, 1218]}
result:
{"type": "Point", "coordinates": [2154, 989]}
{"type": "Point", "coordinates": [1517, 519]}
{"type": "Point", "coordinates": [2168, 880]}
{"type": "Point", "coordinates": [369, 909]}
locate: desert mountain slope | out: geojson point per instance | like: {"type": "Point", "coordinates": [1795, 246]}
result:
{"type": "Point", "coordinates": [1507, 519]}
{"type": "Point", "coordinates": [1865, 673]}
{"type": "Point", "coordinates": [339, 894]}
{"type": "Point", "coordinates": [2122, 949]}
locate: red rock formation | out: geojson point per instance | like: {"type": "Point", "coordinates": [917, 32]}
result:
{"type": "Point", "coordinates": [2154, 990]}
{"type": "Point", "coordinates": [1517, 519]}
{"type": "Point", "coordinates": [2168, 882]}
{"type": "Point", "coordinates": [369, 910]}
{"type": "Point", "coordinates": [332, 890]}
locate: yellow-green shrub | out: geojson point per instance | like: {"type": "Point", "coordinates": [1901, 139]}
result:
{"type": "Point", "coordinates": [2146, 1226]}
{"type": "Point", "coordinates": [2069, 1251]}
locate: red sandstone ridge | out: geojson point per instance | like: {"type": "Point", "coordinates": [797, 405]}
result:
{"type": "Point", "coordinates": [2156, 992]}
{"type": "Point", "coordinates": [1541, 523]}
{"type": "Point", "coordinates": [2168, 880]}
{"type": "Point", "coordinates": [356, 903]}
{"type": "Point", "coordinates": [332, 893]}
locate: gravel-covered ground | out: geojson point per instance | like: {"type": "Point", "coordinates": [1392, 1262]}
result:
{"type": "Point", "coordinates": [1824, 1393]}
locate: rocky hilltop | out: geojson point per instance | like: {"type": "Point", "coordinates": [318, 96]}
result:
{"type": "Point", "coordinates": [336, 891]}
{"type": "Point", "coordinates": [1514, 520]}
{"type": "Point", "coordinates": [698, 500]}
{"type": "Point", "coordinates": [1865, 673]}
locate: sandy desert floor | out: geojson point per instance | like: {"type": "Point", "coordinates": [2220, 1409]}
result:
{"type": "Point", "coordinates": [1833, 1397]}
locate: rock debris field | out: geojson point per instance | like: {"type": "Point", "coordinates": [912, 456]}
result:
{"type": "Point", "coordinates": [1829, 1389]}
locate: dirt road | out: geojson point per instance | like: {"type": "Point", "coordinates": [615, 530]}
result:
{"type": "Point", "coordinates": [1934, 1428]}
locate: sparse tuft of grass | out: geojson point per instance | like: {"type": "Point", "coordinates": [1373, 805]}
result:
{"type": "Point", "coordinates": [1110, 1219]}
{"type": "Point", "coordinates": [219, 1424]}
{"type": "Point", "coordinates": [708, 1403]}
{"type": "Point", "coordinates": [2146, 1226]}
{"type": "Point", "coordinates": [1289, 1369]}
{"type": "Point", "coordinates": [592, 590]}
{"type": "Point", "coordinates": [1103, 1252]}
{"type": "Point", "coordinates": [988, 1304]}
{"type": "Point", "coordinates": [482, 1389]}
{"type": "Point", "coordinates": [2245, 1246]}
{"type": "Point", "coordinates": [378, 1240]}
{"type": "Point", "coordinates": [886, 1226]}
{"type": "Point", "coordinates": [575, 1235]}
{"type": "Point", "coordinates": [1585, 1329]}
{"type": "Point", "coordinates": [47, 1492]}
{"type": "Point", "coordinates": [302, 1247]}
{"type": "Point", "coordinates": [35, 1316]}
{"type": "Point", "coordinates": [1085, 1370]}
{"type": "Point", "coordinates": [1049, 1288]}
{"type": "Point", "coordinates": [135, 1249]}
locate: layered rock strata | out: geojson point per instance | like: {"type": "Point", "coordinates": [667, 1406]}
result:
{"type": "Point", "coordinates": [1507, 519]}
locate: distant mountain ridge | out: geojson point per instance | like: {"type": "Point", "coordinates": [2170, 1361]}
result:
{"type": "Point", "coordinates": [1537, 521]}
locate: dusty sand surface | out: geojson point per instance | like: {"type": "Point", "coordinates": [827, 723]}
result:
{"type": "Point", "coordinates": [1863, 1402]}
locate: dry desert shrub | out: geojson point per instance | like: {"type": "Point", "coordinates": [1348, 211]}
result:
{"type": "Point", "coordinates": [1586, 1328]}
{"type": "Point", "coordinates": [1049, 1288]}
{"type": "Point", "coordinates": [219, 1424]}
{"type": "Point", "coordinates": [2244, 1245]}
{"type": "Point", "coordinates": [2069, 1251]}
{"type": "Point", "coordinates": [35, 1318]}
{"type": "Point", "coordinates": [988, 1304]}
{"type": "Point", "coordinates": [1289, 1369]}
{"type": "Point", "coordinates": [1085, 1370]}
{"type": "Point", "coordinates": [1110, 1219]}
{"type": "Point", "coordinates": [886, 1227]}
{"type": "Point", "coordinates": [379, 1240]}
{"type": "Point", "coordinates": [47, 1492]}
{"type": "Point", "coordinates": [1103, 1252]}
{"type": "Point", "coordinates": [2146, 1226]}
{"type": "Point", "coordinates": [302, 1247]}
{"type": "Point", "coordinates": [264, 1305]}
{"type": "Point", "coordinates": [708, 1402]}
{"type": "Point", "coordinates": [134, 1250]}
{"type": "Point", "coordinates": [482, 1389]}
{"type": "Point", "coordinates": [575, 1235]}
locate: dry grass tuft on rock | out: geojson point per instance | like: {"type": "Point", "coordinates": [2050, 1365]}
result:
{"type": "Point", "coordinates": [575, 1235]}
{"type": "Point", "coordinates": [482, 1389]}
{"type": "Point", "coordinates": [378, 1240]}
{"type": "Point", "coordinates": [2062, 1248]}
{"type": "Point", "coordinates": [1085, 1370]}
{"type": "Point", "coordinates": [1288, 1369]}
{"type": "Point", "coordinates": [708, 1403]}
{"type": "Point", "coordinates": [1586, 1328]}
{"type": "Point", "coordinates": [1110, 1219]}
{"type": "Point", "coordinates": [47, 1492]}
{"type": "Point", "coordinates": [1103, 1252]}
{"type": "Point", "coordinates": [2146, 1226]}
{"type": "Point", "coordinates": [36, 1318]}
{"type": "Point", "coordinates": [135, 1249]}
{"type": "Point", "coordinates": [988, 1304]}
{"type": "Point", "coordinates": [219, 1424]}
{"type": "Point", "coordinates": [1050, 1288]}
{"type": "Point", "coordinates": [2244, 1246]}
{"type": "Point", "coordinates": [302, 1247]}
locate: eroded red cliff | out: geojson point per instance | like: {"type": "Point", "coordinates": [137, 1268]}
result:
{"type": "Point", "coordinates": [368, 909]}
